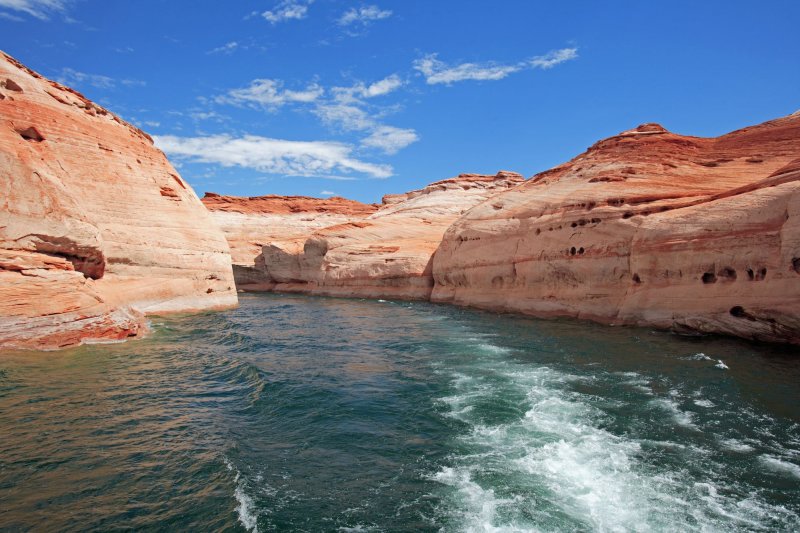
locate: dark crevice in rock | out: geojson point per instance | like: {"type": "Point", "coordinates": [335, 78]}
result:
{"type": "Point", "coordinates": [31, 134]}
{"type": "Point", "coordinates": [11, 85]}
{"type": "Point", "coordinates": [709, 277]}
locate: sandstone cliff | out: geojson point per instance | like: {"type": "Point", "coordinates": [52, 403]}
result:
{"type": "Point", "coordinates": [282, 221]}
{"type": "Point", "coordinates": [387, 254]}
{"type": "Point", "coordinates": [646, 228]}
{"type": "Point", "coordinates": [96, 227]}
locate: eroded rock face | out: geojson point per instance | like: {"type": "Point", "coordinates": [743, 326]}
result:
{"type": "Point", "coordinates": [645, 228]}
{"type": "Point", "coordinates": [96, 227]}
{"type": "Point", "coordinates": [387, 254]}
{"type": "Point", "coordinates": [282, 221]}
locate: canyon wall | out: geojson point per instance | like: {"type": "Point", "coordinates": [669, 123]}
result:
{"type": "Point", "coordinates": [282, 221]}
{"type": "Point", "coordinates": [96, 227]}
{"type": "Point", "coordinates": [385, 255]}
{"type": "Point", "coordinates": [645, 228]}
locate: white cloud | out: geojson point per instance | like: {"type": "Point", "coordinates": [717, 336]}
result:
{"type": "Point", "coordinates": [227, 48]}
{"type": "Point", "coordinates": [350, 117]}
{"type": "Point", "coordinates": [436, 71]}
{"type": "Point", "coordinates": [74, 78]}
{"type": "Point", "coordinates": [270, 94]}
{"type": "Point", "coordinates": [287, 10]}
{"type": "Point", "coordinates": [273, 156]}
{"type": "Point", "coordinates": [390, 139]}
{"type": "Point", "coordinates": [363, 15]}
{"type": "Point", "coordinates": [553, 58]}
{"type": "Point", "coordinates": [327, 193]}
{"type": "Point", "coordinates": [379, 88]}
{"type": "Point", "coordinates": [40, 9]}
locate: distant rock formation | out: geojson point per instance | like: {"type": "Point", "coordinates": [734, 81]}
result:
{"type": "Point", "coordinates": [282, 221]}
{"type": "Point", "coordinates": [96, 227]}
{"type": "Point", "coordinates": [645, 228]}
{"type": "Point", "coordinates": [387, 254]}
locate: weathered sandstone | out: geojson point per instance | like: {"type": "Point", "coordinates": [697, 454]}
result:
{"type": "Point", "coordinates": [645, 228]}
{"type": "Point", "coordinates": [387, 254]}
{"type": "Point", "coordinates": [282, 221]}
{"type": "Point", "coordinates": [96, 227]}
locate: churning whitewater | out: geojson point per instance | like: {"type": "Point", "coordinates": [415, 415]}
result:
{"type": "Point", "coordinates": [319, 414]}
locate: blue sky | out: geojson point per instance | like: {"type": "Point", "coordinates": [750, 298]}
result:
{"type": "Point", "coordinates": [360, 99]}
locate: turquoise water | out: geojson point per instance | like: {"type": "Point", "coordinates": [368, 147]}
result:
{"type": "Point", "coordinates": [317, 414]}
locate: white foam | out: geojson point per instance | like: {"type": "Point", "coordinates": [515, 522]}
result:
{"type": "Point", "coordinates": [493, 349]}
{"type": "Point", "coordinates": [682, 418]}
{"type": "Point", "coordinates": [698, 357]}
{"type": "Point", "coordinates": [736, 446]}
{"type": "Point", "coordinates": [780, 465]}
{"type": "Point", "coordinates": [721, 365]}
{"type": "Point", "coordinates": [558, 459]}
{"type": "Point", "coordinates": [245, 508]}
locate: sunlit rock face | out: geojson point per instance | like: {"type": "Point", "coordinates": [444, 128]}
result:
{"type": "Point", "coordinates": [647, 228]}
{"type": "Point", "coordinates": [96, 227]}
{"type": "Point", "coordinates": [387, 254]}
{"type": "Point", "coordinates": [280, 221]}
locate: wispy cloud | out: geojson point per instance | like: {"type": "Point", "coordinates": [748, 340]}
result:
{"type": "Point", "coordinates": [363, 15]}
{"type": "Point", "coordinates": [436, 71]}
{"type": "Point", "coordinates": [74, 78]}
{"type": "Point", "coordinates": [327, 193]}
{"type": "Point", "coordinates": [227, 48]}
{"type": "Point", "coordinates": [382, 87]}
{"type": "Point", "coordinates": [40, 9]}
{"type": "Point", "coordinates": [345, 108]}
{"type": "Point", "coordinates": [287, 10]}
{"type": "Point", "coordinates": [272, 156]}
{"type": "Point", "coordinates": [390, 139]}
{"type": "Point", "coordinates": [554, 57]}
{"type": "Point", "coordinates": [270, 94]}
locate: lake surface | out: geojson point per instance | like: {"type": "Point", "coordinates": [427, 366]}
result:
{"type": "Point", "coordinates": [320, 414]}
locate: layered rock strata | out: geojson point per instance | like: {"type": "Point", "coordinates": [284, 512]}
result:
{"type": "Point", "coordinates": [283, 221]}
{"type": "Point", "coordinates": [645, 228]}
{"type": "Point", "coordinates": [96, 227]}
{"type": "Point", "coordinates": [385, 255]}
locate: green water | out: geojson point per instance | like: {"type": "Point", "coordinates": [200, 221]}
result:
{"type": "Point", "coordinates": [315, 414]}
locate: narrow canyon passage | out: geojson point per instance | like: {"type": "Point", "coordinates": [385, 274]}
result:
{"type": "Point", "coordinates": [323, 414]}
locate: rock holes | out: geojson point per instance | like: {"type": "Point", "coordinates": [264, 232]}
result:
{"type": "Point", "coordinates": [709, 277]}
{"type": "Point", "coordinates": [727, 274]}
{"type": "Point", "coordinates": [572, 251]}
{"type": "Point", "coordinates": [636, 279]}
{"type": "Point", "coordinates": [738, 311]}
{"type": "Point", "coordinates": [796, 264]}
{"type": "Point", "coordinates": [11, 85]}
{"type": "Point", "coordinates": [628, 214]}
{"type": "Point", "coordinates": [31, 134]}
{"type": "Point", "coordinates": [581, 250]}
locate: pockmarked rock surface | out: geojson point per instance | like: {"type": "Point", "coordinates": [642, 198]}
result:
{"type": "Point", "coordinates": [645, 228]}
{"type": "Point", "coordinates": [282, 221]}
{"type": "Point", "coordinates": [385, 255]}
{"type": "Point", "coordinates": [96, 227]}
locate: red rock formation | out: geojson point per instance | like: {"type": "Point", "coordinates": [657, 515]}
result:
{"type": "Point", "coordinates": [282, 221]}
{"type": "Point", "coordinates": [96, 227]}
{"type": "Point", "coordinates": [387, 254]}
{"type": "Point", "coordinates": [645, 228]}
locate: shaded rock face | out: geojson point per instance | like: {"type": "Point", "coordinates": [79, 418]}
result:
{"type": "Point", "coordinates": [387, 254]}
{"type": "Point", "coordinates": [645, 228]}
{"type": "Point", "coordinates": [282, 221]}
{"type": "Point", "coordinates": [96, 227]}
